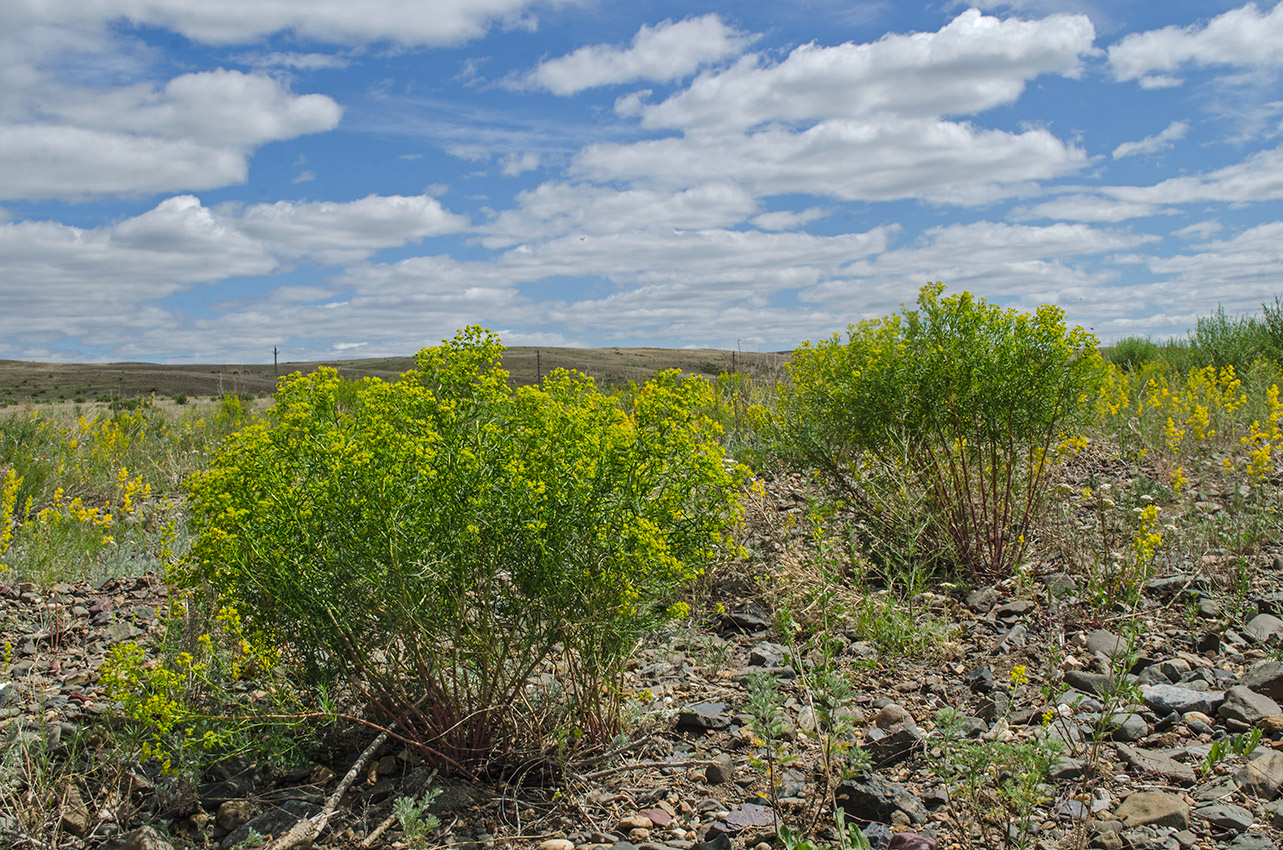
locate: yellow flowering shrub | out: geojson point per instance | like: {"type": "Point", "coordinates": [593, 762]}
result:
{"type": "Point", "coordinates": [433, 541]}
{"type": "Point", "coordinates": [963, 400]}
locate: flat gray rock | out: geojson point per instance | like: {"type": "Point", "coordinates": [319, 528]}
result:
{"type": "Point", "coordinates": [1165, 766]}
{"type": "Point", "coordinates": [1246, 706]}
{"type": "Point", "coordinates": [1164, 699]}
{"type": "Point", "coordinates": [1263, 775]}
{"type": "Point", "coordinates": [1225, 816]}
{"type": "Point", "coordinates": [1262, 627]}
{"type": "Point", "coordinates": [1265, 677]}
{"type": "Point", "coordinates": [1106, 643]}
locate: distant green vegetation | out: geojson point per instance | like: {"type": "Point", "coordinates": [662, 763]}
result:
{"type": "Point", "coordinates": [1218, 340]}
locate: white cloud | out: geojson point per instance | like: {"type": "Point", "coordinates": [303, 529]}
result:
{"type": "Point", "coordinates": [304, 177]}
{"type": "Point", "coordinates": [1257, 178]}
{"type": "Point", "coordinates": [1200, 230]}
{"type": "Point", "coordinates": [1155, 143]}
{"type": "Point", "coordinates": [788, 219]}
{"type": "Point", "coordinates": [333, 233]}
{"type": "Point", "coordinates": [294, 61]}
{"type": "Point", "coordinates": [667, 51]}
{"type": "Point", "coordinates": [516, 164]}
{"type": "Point", "coordinates": [195, 132]}
{"type": "Point", "coordinates": [472, 153]}
{"type": "Point", "coordinates": [937, 161]}
{"type": "Point", "coordinates": [972, 64]}
{"type": "Point", "coordinates": [90, 283]}
{"type": "Point", "coordinates": [1085, 207]}
{"type": "Point", "coordinates": [1237, 273]}
{"type": "Point", "coordinates": [566, 209]}
{"type": "Point", "coordinates": [1242, 37]}
{"type": "Point", "coordinates": [242, 21]}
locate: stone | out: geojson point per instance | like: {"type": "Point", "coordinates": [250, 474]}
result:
{"type": "Point", "coordinates": [720, 841]}
{"type": "Point", "coordinates": [890, 715]}
{"type": "Point", "coordinates": [1014, 609]}
{"type": "Point", "coordinates": [1128, 726]}
{"type": "Point", "coordinates": [1271, 725]}
{"type": "Point", "coordinates": [1106, 643]}
{"type": "Point", "coordinates": [1252, 841]}
{"type": "Point", "coordinates": [1015, 638]}
{"type": "Point", "coordinates": [876, 799]}
{"type": "Point", "coordinates": [1164, 699]}
{"type": "Point", "coordinates": [768, 654]}
{"type": "Point", "coordinates": [1225, 816]}
{"type": "Point", "coordinates": [73, 815]}
{"type": "Point", "coordinates": [233, 813]}
{"type": "Point", "coordinates": [745, 816]}
{"type": "Point", "coordinates": [632, 822]}
{"type": "Point", "coordinates": [557, 844]}
{"type": "Point", "coordinates": [1154, 808]}
{"type": "Point", "coordinates": [1265, 677]}
{"type": "Point", "coordinates": [1263, 775]}
{"type": "Point", "coordinates": [1262, 627]}
{"type": "Point", "coordinates": [1154, 762]}
{"type": "Point", "coordinates": [702, 716]}
{"type": "Point", "coordinates": [981, 600]}
{"type": "Point", "coordinates": [145, 838]}
{"type": "Point", "coordinates": [721, 771]}
{"type": "Point", "coordinates": [1067, 768]}
{"type": "Point", "coordinates": [894, 745]}
{"type": "Point", "coordinates": [1246, 706]}
{"type": "Point", "coordinates": [911, 841]}
{"type": "Point", "coordinates": [1088, 683]}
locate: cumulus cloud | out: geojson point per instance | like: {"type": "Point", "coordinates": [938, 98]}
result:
{"type": "Point", "coordinates": [1259, 177]}
{"type": "Point", "coordinates": [516, 164]}
{"type": "Point", "coordinates": [195, 132]}
{"type": "Point", "coordinates": [667, 51]}
{"type": "Point", "coordinates": [938, 161]}
{"type": "Point", "coordinates": [1243, 37]}
{"type": "Point", "coordinates": [974, 63]}
{"type": "Point", "coordinates": [576, 209]}
{"type": "Point", "coordinates": [338, 21]}
{"type": "Point", "coordinates": [1086, 207]}
{"type": "Point", "coordinates": [1155, 143]}
{"type": "Point", "coordinates": [90, 282]}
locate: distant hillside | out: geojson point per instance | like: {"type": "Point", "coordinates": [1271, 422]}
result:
{"type": "Point", "coordinates": [24, 381]}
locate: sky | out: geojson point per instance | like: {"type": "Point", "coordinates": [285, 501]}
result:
{"type": "Point", "coordinates": [189, 181]}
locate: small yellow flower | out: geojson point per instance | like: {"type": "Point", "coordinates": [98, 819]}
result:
{"type": "Point", "coordinates": [1019, 674]}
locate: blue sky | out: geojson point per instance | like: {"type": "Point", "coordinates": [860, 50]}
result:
{"type": "Point", "coordinates": [187, 181]}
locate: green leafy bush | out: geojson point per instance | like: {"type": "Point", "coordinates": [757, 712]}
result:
{"type": "Point", "coordinates": [434, 541]}
{"type": "Point", "coordinates": [960, 401]}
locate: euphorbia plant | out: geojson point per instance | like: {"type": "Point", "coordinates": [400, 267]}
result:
{"type": "Point", "coordinates": [962, 398]}
{"type": "Point", "coordinates": [435, 540]}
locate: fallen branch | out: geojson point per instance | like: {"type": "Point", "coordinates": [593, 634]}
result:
{"type": "Point", "coordinates": [305, 832]}
{"type": "Point", "coordinates": [641, 765]}
{"type": "Point", "coordinates": [378, 831]}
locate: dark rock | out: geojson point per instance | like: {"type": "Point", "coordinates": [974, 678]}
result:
{"type": "Point", "coordinates": [1014, 609]}
{"type": "Point", "coordinates": [1067, 768]}
{"type": "Point", "coordinates": [747, 815]}
{"type": "Point", "coordinates": [1263, 775]}
{"type": "Point", "coordinates": [980, 680]}
{"type": "Point", "coordinates": [746, 621]}
{"type": "Point", "coordinates": [702, 716]}
{"type": "Point", "coordinates": [717, 842]}
{"type": "Point", "coordinates": [995, 706]}
{"type": "Point", "coordinates": [1209, 644]}
{"type": "Point", "coordinates": [1106, 643]}
{"type": "Point", "coordinates": [721, 771]}
{"type": "Point", "coordinates": [1265, 677]}
{"type": "Point", "coordinates": [1088, 683]}
{"type": "Point", "coordinates": [894, 745]}
{"type": "Point", "coordinates": [911, 841]}
{"type": "Point", "coordinates": [877, 799]}
{"type": "Point", "coordinates": [767, 654]}
{"type": "Point", "coordinates": [1246, 706]}
{"type": "Point", "coordinates": [1225, 816]}
{"type": "Point", "coordinates": [1252, 841]}
{"type": "Point", "coordinates": [1128, 727]}
{"type": "Point", "coordinates": [981, 600]}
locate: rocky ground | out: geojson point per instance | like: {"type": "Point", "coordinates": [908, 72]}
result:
{"type": "Point", "coordinates": [1134, 774]}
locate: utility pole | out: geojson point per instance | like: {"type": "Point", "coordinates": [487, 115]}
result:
{"type": "Point", "coordinates": [275, 375]}
{"type": "Point", "coordinates": [538, 368]}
